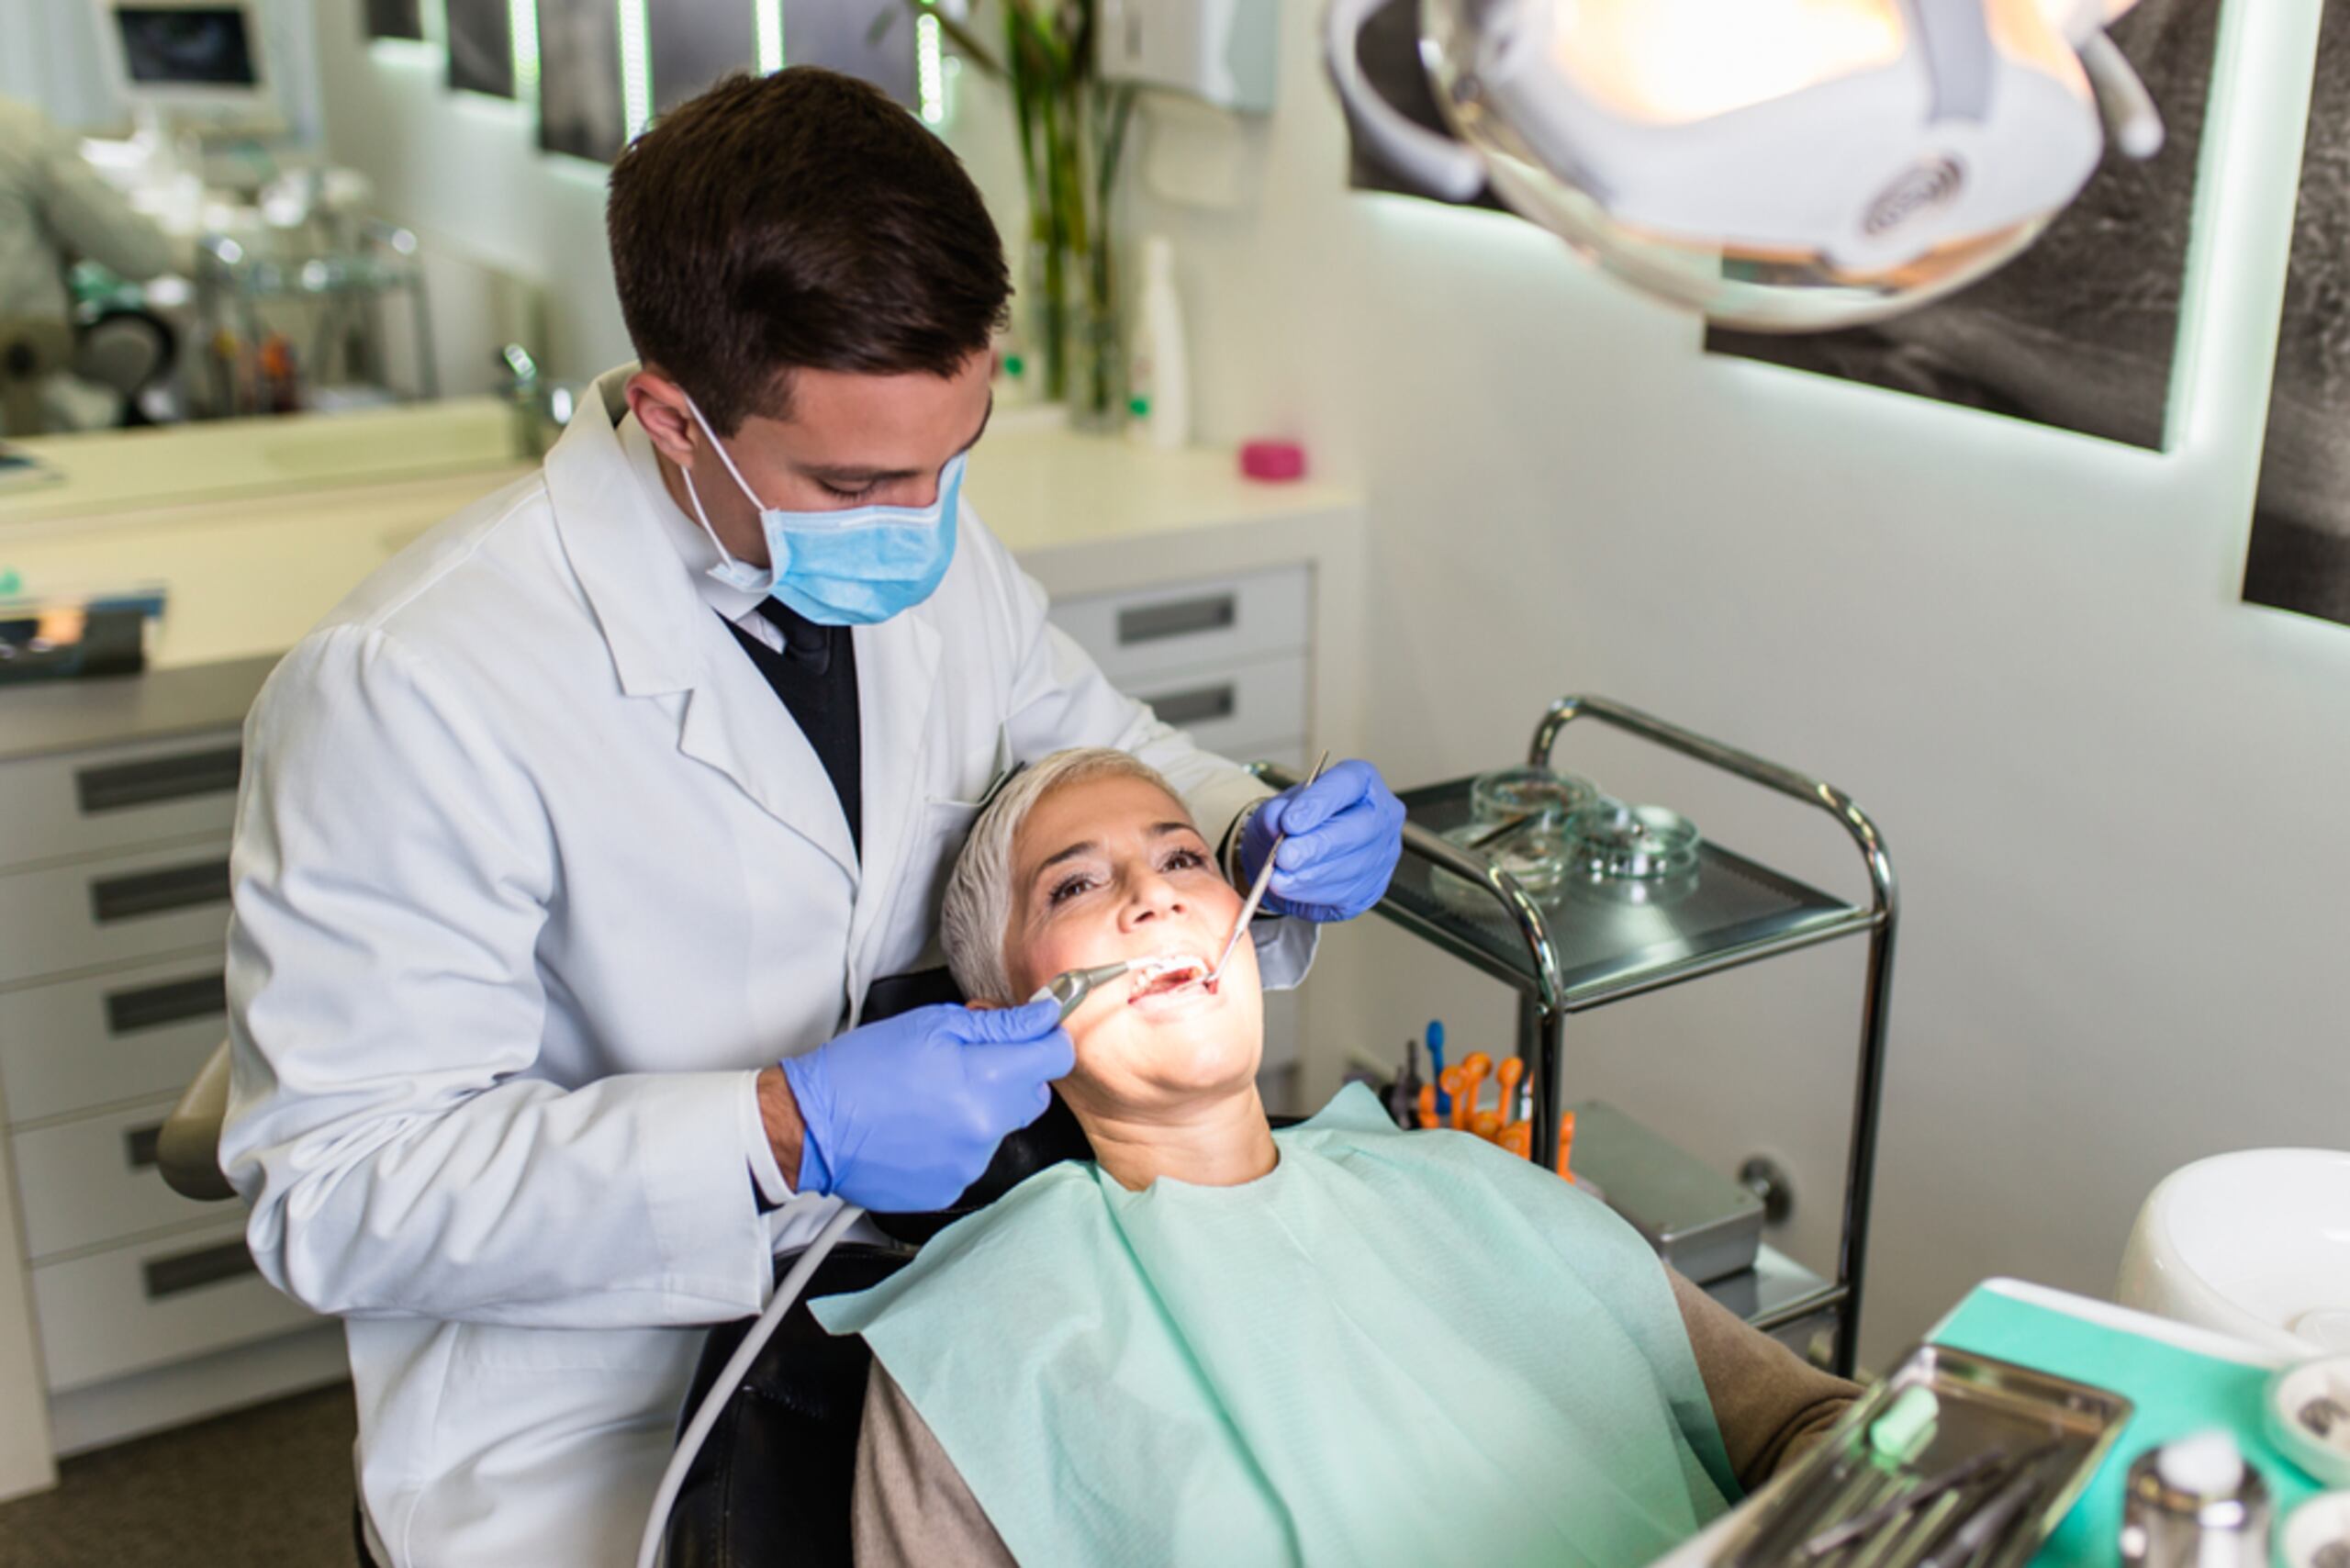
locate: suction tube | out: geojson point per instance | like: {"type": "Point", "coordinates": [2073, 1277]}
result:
{"type": "Point", "coordinates": [738, 1366]}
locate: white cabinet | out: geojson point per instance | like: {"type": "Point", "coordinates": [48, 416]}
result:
{"type": "Point", "coordinates": [114, 908]}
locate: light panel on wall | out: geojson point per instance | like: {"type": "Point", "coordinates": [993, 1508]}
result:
{"type": "Point", "coordinates": [636, 70]}
{"type": "Point", "coordinates": [769, 17]}
{"type": "Point", "coordinates": [522, 21]}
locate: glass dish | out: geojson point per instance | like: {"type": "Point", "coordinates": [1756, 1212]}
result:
{"type": "Point", "coordinates": [1507, 793]}
{"type": "Point", "coordinates": [1610, 841]}
{"type": "Point", "coordinates": [1531, 854]}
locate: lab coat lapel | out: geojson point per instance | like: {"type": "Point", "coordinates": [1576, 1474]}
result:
{"type": "Point", "coordinates": [665, 639]}
{"type": "Point", "coordinates": [897, 662]}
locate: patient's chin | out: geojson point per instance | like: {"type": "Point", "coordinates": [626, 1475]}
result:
{"type": "Point", "coordinates": [1166, 1063]}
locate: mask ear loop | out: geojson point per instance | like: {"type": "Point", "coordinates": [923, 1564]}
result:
{"type": "Point", "coordinates": [694, 494]}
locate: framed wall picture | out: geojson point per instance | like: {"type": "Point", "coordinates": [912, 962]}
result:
{"type": "Point", "coordinates": [392, 19]}
{"type": "Point", "coordinates": [481, 47]}
{"type": "Point", "coordinates": [869, 38]}
{"type": "Point", "coordinates": [2078, 332]}
{"type": "Point", "coordinates": [581, 110]}
{"type": "Point", "coordinates": [695, 43]}
{"type": "Point", "coordinates": [2300, 555]}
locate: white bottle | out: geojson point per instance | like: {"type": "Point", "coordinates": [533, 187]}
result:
{"type": "Point", "coordinates": [1159, 374]}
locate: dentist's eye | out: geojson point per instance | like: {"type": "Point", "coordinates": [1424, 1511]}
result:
{"type": "Point", "coordinates": [838, 494]}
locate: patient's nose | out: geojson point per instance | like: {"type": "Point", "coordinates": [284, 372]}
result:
{"type": "Point", "coordinates": [1154, 897]}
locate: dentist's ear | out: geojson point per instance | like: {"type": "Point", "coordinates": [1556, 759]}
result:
{"type": "Point", "coordinates": [659, 405]}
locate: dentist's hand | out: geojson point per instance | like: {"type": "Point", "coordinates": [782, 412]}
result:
{"type": "Point", "coordinates": [901, 1115]}
{"type": "Point", "coordinates": [1346, 833]}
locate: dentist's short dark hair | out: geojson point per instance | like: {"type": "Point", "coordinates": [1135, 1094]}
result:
{"type": "Point", "coordinates": [798, 222]}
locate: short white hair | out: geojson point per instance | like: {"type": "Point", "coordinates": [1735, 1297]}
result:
{"type": "Point", "coordinates": [977, 910]}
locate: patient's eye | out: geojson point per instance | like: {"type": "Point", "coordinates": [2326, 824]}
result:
{"type": "Point", "coordinates": [1185, 859]}
{"type": "Point", "coordinates": [1068, 888]}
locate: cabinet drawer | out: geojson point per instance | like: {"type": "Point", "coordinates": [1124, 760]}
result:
{"type": "Point", "coordinates": [84, 1183]}
{"type": "Point", "coordinates": [1230, 710]}
{"type": "Point", "coordinates": [106, 912]}
{"type": "Point", "coordinates": [129, 1033]}
{"type": "Point", "coordinates": [95, 801]}
{"type": "Point", "coordinates": [155, 1303]}
{"type": "Point", "coordinates": [1151, 631]}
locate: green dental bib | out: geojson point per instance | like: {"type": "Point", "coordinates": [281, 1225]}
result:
{"type": "Point", "coordinates": [1396, 1349]}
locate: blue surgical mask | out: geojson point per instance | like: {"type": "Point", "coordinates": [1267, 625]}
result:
{"type": "Point", "coordinates": [852, 568]}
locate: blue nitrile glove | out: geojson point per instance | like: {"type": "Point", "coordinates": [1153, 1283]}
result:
{"type": "Point", "coordinates": [903, 1114]}
{"type": "Point", "coordinates": [1346, 833]}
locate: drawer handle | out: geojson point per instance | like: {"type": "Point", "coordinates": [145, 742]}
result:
{"type": "Point", "coordinates": [152, 780]}
{"type": "Point", "coordinates": [183, 1272]}
{"type": "Point", "coordinates": [1199, 706]}
{"type": "Point", "coordinates": [1180, 618]}
{"type": "Point", "coordinates": [138, 1146]}
{"type": "Point", "coordinates": [159, 892]}
{"type": "Point", "coordinates": [172, 1001]}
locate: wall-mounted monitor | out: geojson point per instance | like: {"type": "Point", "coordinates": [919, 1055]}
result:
{"type": "Point", "coordinates": [581, 110]}
{"type": "Point", "coordinates": [196, 61]}
{"type": "Point", "coordinates": [481, 47]}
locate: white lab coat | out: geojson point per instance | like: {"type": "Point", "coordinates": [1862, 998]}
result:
{"type": "Point", "coordinates": [533, 874]}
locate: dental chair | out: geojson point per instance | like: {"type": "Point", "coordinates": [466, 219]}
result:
{"type": "Point", "coordinates": [774, 1481]}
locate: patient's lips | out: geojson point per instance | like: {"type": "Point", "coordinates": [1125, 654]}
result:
{"type": "Point", "coordinates": [1168, 976]}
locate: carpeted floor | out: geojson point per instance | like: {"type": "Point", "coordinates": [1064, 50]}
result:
{"type": "Point", "coordinates": [268, 1487]}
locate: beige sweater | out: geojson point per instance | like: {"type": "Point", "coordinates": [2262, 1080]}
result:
{"type": "Point", "coordinates": [912, 1509]}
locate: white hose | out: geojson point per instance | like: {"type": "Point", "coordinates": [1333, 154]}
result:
{"type": "Point", "coordinates": [738, 1366]}
{"type": "Point", "coordinates": [2131, 116]}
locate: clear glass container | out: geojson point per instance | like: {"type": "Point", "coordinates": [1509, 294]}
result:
{"type": "Point", "coordinates": [1507, 794]}
{"type": "Point", "coordinates": [1609, 841]}
{"type": "Point", "coordinates": [1528, 850]}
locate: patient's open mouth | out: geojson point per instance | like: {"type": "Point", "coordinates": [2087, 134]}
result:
{"type": "Point", "coordinates": [1167, 973]}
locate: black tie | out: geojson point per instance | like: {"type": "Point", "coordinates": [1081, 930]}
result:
{"type": "Point", "coordinates": [816, 677]}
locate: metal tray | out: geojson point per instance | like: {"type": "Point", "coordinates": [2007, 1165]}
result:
{"type": "Point", "coordinates": [1612, 941]}
{"type": "Point", "coordinates": [1985, 1404]}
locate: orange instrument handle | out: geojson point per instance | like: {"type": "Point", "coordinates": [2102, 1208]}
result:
{"type": "Point", "coordinates": [1518, 1138]}
{"type": "Point", "coordinates": [1454, 1081]}
{"type": "Point", "coordinates": [1566, 1142]}
{"type": "Point", "coordinates": [1427, 1105]}
{"type": "Point", "coordinates": [1512, 1072]}
{"type": "Point", "coordinates": [1473, 1078]}
{"type": "Point", "coordinates": [1486, 1124]}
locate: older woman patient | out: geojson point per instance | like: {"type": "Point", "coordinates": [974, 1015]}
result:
{"type": "Point", "coordinates": [1219, 1344]}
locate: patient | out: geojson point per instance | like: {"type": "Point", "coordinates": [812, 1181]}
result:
{"type": "Point", "coordinates": [1218, 1344]}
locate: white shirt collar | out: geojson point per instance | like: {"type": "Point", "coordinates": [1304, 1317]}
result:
{"type": "Point", "coordinates": [693, 546]}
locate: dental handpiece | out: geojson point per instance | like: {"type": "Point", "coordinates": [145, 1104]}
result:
{"type": "Point", "coordinates": [1070, 989]}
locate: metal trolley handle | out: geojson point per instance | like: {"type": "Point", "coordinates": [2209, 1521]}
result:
{"type": "Point", "coordinates": [1728, 759]}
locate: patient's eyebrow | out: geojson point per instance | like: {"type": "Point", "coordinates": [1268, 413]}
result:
{"type": "Point", "coordinates": [1086, 848]}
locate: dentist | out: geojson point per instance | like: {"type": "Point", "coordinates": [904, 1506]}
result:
{"type": "Point", "coordinates": [574, 845]}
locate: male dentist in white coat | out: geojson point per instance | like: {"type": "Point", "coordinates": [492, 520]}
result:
{"type": "Point", "coordinates": [571, 843]}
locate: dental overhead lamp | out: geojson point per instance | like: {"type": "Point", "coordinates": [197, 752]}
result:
{"type": "Point", "coordinates": [1779, 165]}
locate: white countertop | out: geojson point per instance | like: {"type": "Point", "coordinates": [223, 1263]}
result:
{"type": "Point", "coordinates": [257, 528]}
